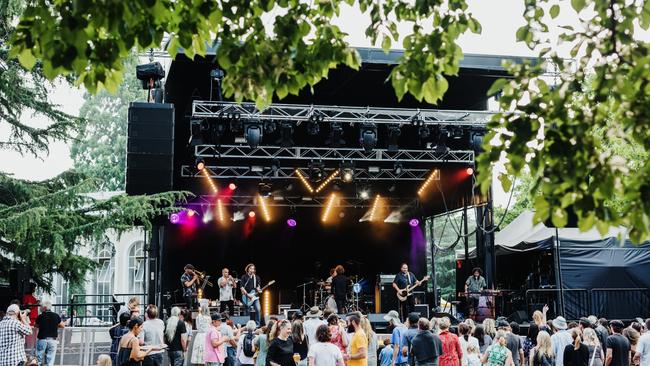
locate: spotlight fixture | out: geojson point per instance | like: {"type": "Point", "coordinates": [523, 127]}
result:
{"type": "Point", "coordinates": [264, 189]}
{"type": "Point", "coordinates": [469, 171]}
{"type": "Point", "coordinates": [174, 218]}
{"type": "Point", "coordinates": [232, 186]}
{"type": "Point", "coordinates": [414, 222]}
{"type": "Point", "coordinates": [435, 175]}
{"type": "Point", "coordinates": [190, 212]}
{"type": "Point", "coordinates": [253, 133]}
{"type": "Point", "coordinates": [270, 127]}
{"type": "Point", "coordinates": [347, 172]}
{"type": "Point", "coordinates": [316, 171]}
{"type": "Point", "coordinates": [398, 169]}
{"type": "Point", "coordinates": [286, 132]}
{"type": "Point", "coordinates": [326, 181]}
{"type": "Point", "coordinates": [368, 136]}
{"type": "Point", "coordinates": [265, 209]}
{"type": "Point", "coordinates": [200, 164]}
{"type": "Point", "coordinates": [336, 135]}
{"type": "Point", "coordinates": [236, 125]}
{"type": "Point", "coordinates": [220, 211]}
{"type": "Point", "coordinates": [328, 207]}
{"type": "Point", "coordinates": [394, 132]}
{"type": "Point", "coordinates": [416, 120]}
{"type": "Point", "coordinates": [292, 223]}
{"type": "Point", "coordinates": [456, 133]}
{"type": "Point", "coordinates": [364, 194]}
{"type": "Point", "coordinates": [251, 214]}
{"type": "Point", "coordinates": [441, 145]}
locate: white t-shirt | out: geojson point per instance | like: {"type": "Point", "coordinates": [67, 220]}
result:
{"type": "Point", "coordinates": [643, 349]}
{"type": "Point", "coordinates": [152, 333]}
{"type": "Point", "coordinates": [325, 354]}
{"type": "Point", "coordinates": [225, 293]}
{"type": "Point", "coordinates": [311, 325]}
{"type": "Point", "coordinates": [226, 331]}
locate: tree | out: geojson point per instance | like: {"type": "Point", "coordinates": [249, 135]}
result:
{"type": "Point", "coordinates": [43, 225]}
{"type": "Point", "coordinates": [545, 129]}
{"type": "Point", "coordinates": [99, 150]}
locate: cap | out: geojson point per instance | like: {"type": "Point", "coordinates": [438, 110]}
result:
{"type": "Point", "coordinates": [503, 324]}
{"type": "Point", "coordinates": [393, 316]}
{"type": "Point", "coordinates": [13, 309]}
{"type": "Point", "coordinates": [215, 316]}
{"type": "Point", "coordinates": [413, 319]}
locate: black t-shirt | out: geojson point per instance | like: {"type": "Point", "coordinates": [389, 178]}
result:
{"type": "Point", "coordinates": [426, 347]}
{"type": "Point", "coordinates": [248, 283]}
{"type": "Point", "coordinates": [620, 349]}
{"type": "Point", "coordinates": [339, 286]}
{"type": "Point", "coordinates": [175, 344]}
{"type": "Point", "coordinates": [513, 343]}
{"type": "Point", "coordinates": [301, 348]}
{"type": "Point", "coordinates": [579, 357]}
{"type": "Point", "coordinates": [48, 325]}
{"type": "Point", "coordinates": [280, 352]}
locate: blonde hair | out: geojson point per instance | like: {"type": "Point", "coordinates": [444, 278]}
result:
{"type": "Point", "coordinates": [471, 348]}
{"type": "Point", "coordinates": [590, 337]}
{"type": "Point", "coordinates": [538, 318]}
{"type": "Point", "coordinates": [104, 360]}
{"type": "Point", "coordinates": [470, 323]}
{"type": "Point", "coordinates": [367, 328]}
{"type": "Point", "coordinates": [444, 323]}
{"type": "Point", "coordinates": [490, 327]}
{"type": "Point", "coordinates": [577, 338]}
{"type": "Point", "coordinates": [544, 345]}
{"type": "Point", "coordinates": [433, 325]}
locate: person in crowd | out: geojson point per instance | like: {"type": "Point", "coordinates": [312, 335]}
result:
{"type": "Point", "coordinates": [427, 347]}
{"type": "Point", "coordinates": [372, 341]}
{"type": "Point", "coordinates": [434, 325]}
{"type": "Point", "coordinates": [176, 338]}
{"type": "Point", "coordinates": [300, 343]}
{"type": "Point", "coordinates": [539, 318]}
{"type": "Point", "coordinates": [473, 355]}
{"type": "Point", "coordinates": [186, 316]}
{"type": "Point", "coordinates": [451, 350]}
{"type": "Point", "coordinates": [104, 360]}
{"type": "Point", "coordinates": [323, 352]}
{"type": "Point", "coordinates": [618, 347]}
{"type": "Point", "coordinates": [312, 322]}
{"type": "Point", "coordinates": [584, 323]}
{"type": "Point", "coordinates": [261, 343]}
{"type": "Point", "coordinates": [601, 331]}
{"type": "Point", "coordinates": [245, 347]}
{"type": "Point", "coordinates": [203, 322]}
{"type": "Point", "coordinates": [542, 354]}
{"type": "Point", "coordinates": [30, 302]}
{"type": "Point", "coordinates": [490, 327]}
{"type": "Point", "coordinates": [358, 355]}
{"type": "Point", "coordinates": [407, 337]}
{"type": "Point", "coordinates": [14, 327]}
{"type": "Point", "coordinates": [152, 334]}
{"type": "Point", "coordinates": [130, 353]}
{"type": "Point", "coordinates": [642, 354]}
{"type": "Point", "coordinates": [227, 331]}
{"type": "Point", "coordinates": [530, 341]}
{"type": "Point", "coordinates": [596, 353]}
{"type": "Point", "coordinates": [386, 353]}
{"type": "Point", "coordinates": [337, 333]}
{"type": "Point", "coordinates": [560, 339]}
{"type": "Point", "coordinates": [132, 307]}
{"type": "Point", "coordinates": [484, 340]}
{"type": "Point", "coordinates": [576, 354]}
{"type": "Point", "coordinates": [498, 354]}
{"type": "Point", "coordinates": [637, 326]}
{"type": "Point", "coordinates": [632, 336]}
{"type": "Point", "coordinates": [280, 351]}
{"type": "Point", "coordinates": [48, 324]}
{"type": "Point", "coordinates": [465, 340]}
{"type": "Point", "coordinates": [471, 324]}
{"type": "Point", "coordinates": [513, 342]}
{"type": "Point", "coordinates": [214, 352]}
{"type": "Point", "coordinates": [396, 337]}
{"type": "Point", "coordinates": [116, 332]}
{"type": "Point", "coordinates": [550, 328]}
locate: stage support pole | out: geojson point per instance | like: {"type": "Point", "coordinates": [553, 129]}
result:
{"type": "Point", "coordinates": [487, 241]}
{"type": "Point", "coordinates": [465, 233]}
{"type": "Point", "coordinates": [428, 223]}
{"type": "Point", "coordinates": [154, 275]}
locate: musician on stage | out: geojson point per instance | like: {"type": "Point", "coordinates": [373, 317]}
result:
{"type": "Point", "coordinates": [340, 288]}
{"type": "Point", "coordinates": [474, 285]}
{"type": "Point", "coordinates": [403, 280]}
{"type": "Point", "coordinates": [226, 299]}
{"type": "Point", "coordinates": [251, 282]}
{"type": "Point", "coordinates": [189, 279]}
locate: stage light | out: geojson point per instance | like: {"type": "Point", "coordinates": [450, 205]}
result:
{"type": "Point", "coordinates": [251, 214]}
{"type": "Point", "coordinates": [264, 189]}
{"type": "Point", "coordinates": [373, 211]}
{"type": "Point", "coordinates": [327, 181]}
{"type": "Point", "coordinates": [174, 218]}
{"type": "Point", "coordinates": [265, 209]}
{"type": "Point", "coordinates": [398, 169]}
{"type": "Point", "coordinates": [200, 164]}
{"type": "Point", "coordinates": [348, 175]}
{"type": "Point", "coordinates": [267, 303]}
{"type": "Point", "coordinates": [335, 137]}
{"type": "Point", "coordinates": [316, 171]}
{"type": "Point", "coordinates": [364, 194]}
{"type": "Point", "coordinates": [435, 175]}
{"type": "Point", "coordinates": [469, 171]}
{"type": "Point", "coordinates": [313, 129]}
{"type": "Point", "coordinates": [394, 132]}
{"type": "Point", "coordinates": [286, 132]}
{"type": "Point", "coordinates": [232, 186]}
{"type": "Point", "coordinates": [368, 136]}
{"type": "Point", "coordinates": [220, 211]}
{"type": "Point", "coordinates": [304, 181]}
{"type": "Point", "coordinates": [441, 144]}
{"type": "Point", "coordinates": [206, 174]}
{"type": "Point", "coordinates": [414, 222]}
{"type": "Point", "coordinates": [328, 207]}
{"type": "Point", "coordinates": [253, 133]}
{"type": "Point", "coordinates": [190, 213]}
{"type": "Point", "coordinates": [292, 223]}
{"type": "Point", "coordinates": [275, 167]}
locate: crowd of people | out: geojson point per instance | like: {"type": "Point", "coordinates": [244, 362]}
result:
{"type": "Point", "coordinates": [323, 338]}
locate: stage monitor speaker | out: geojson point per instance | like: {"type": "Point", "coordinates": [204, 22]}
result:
{"type": "Point", "coordinates": [240, 320]}
{"type": "Point", "coordinates": [378, 323]}
{"type": "Point", "coordinates": [150, 148]}
{"type": "Point", "coordinates": [518, 317]}
{"type": "Point", "coordinates": [423, 309]}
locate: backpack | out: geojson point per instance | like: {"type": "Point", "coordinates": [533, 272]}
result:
{"type": "Point", "coordinates": [247, 346]}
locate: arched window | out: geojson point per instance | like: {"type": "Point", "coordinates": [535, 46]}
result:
{"type": "Point", "coordinates": [137, 268]}
{"type": "Point", "coordinates": [104, 277]}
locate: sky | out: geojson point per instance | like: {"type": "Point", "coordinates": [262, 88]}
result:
{"type": "Point", "coordinates": [499, 23]}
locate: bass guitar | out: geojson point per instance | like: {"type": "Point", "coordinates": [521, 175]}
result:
{"type": "Point", "coordinates": [252, 295]}
{"type": "Point", "coordinates": [404, 293]}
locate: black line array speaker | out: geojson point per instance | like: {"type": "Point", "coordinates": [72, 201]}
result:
{"type": "Point", "coordinates": [150, 148]}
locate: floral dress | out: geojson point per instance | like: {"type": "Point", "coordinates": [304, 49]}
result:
{"type": "Point", "coordinates": [452, 352]}
{"type": "Point", "coordinates": [202, 328]}
{"type": "Point", "coordinates": [498, 355]}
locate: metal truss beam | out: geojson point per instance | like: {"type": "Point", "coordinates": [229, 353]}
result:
{"type": "Point", "coordinates": [327, 114]}
{"type": "Point", "coordinates": [247, 172]}
{"type": "Point", "coordinates": [244, 202]}
{"type": "Point", "coordinates": [326, 153]}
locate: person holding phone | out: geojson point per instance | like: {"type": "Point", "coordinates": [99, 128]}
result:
{"type": "Point", "coordinates": [13, 329]}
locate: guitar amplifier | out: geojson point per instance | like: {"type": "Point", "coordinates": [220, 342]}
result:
{"type": "Point", "coordinates": [423, 309]}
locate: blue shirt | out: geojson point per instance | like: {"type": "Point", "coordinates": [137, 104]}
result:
{"type": "Point", "coordinates": [386, 356]}
{"type": "Point", "coordinates": [407, 338]}
{"type": "Point", "coordinates": [396, 341]}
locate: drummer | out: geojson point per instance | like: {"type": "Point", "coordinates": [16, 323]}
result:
{"type": "Point", "coordinates": [328, 281]}
{"type": "Point", "coordinates": [474, 285]}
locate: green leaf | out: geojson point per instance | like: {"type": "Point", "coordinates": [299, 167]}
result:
{"type": "Point", "coordinates": [559, 218]}
{"type": "Point", "coordinates": [497, 86]}
{"type": "Point", "coordinates": [27, 59]}
{"type": "Point", "coordinates": [385, 43]}
{"type": "Point", "coordinates": [542, 210]}
{"type": "Point", "coordinates": [578, 5]}
{"type": "Point", "coordinates": [554, 11]}
{"type": "Point", "coordinates": [522, 33]}
{"type": "Point", "coordinates": [587, 222]}
{"type": "Point", "coordinates": [506, 183]}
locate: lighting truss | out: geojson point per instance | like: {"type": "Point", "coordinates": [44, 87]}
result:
{"type": "Point", "coordinates": [297, 113]}
{"type": "Point", "coordinates": [247, 172]}
{"type": "Point", "coordinates": [245, 201]}
{"type": "Point", "coordinates": [327, 153]}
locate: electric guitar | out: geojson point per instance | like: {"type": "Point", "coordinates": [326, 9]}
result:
{"type": "Point", "coordinates": [252, 295]}
{"type": "Point", "coordinates": [402, 296]}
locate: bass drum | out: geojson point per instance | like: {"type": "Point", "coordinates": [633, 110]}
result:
{"type": "Point", "coordinates": [330, 303]}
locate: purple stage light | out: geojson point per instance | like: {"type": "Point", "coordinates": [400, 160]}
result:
{"type": "Point", "coordinates": [292, 223]}
{"type": "Point", "coordinates": [174, 218]}
{"type": "Point", "coordinates": [414, 222]}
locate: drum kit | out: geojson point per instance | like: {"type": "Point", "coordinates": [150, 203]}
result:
{"type": "Point", "coordinates": [322, 297]}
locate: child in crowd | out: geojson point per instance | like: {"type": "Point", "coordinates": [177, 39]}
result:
{"type": "Point", "coordinates": [386, 354]}
{"type": "Point", "coordinates": [473, 357]}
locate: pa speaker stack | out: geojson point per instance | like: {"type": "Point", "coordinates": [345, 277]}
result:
{"type": "Point", "coordinates": [150, 148]}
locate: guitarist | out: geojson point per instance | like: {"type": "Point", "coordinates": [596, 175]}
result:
{"type": "Point", "coordinates": [249, 282]}
{"type": "Point", "coordinates": [403, 280]}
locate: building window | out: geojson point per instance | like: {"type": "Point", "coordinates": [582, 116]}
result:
{"type": "Point", "coordinates": [137, 268]}
{"type": "Point", "coordinates": [103, 281]}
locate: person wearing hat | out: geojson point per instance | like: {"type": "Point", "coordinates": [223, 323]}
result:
{"type": "Point", "coordinates": [560, 339]}
{"type": "Point", "coordinates": [214, 352]}
{"type": "Point", "coordinates": [618, 346]}
{"type": "Point", "coordinates": [409, 334]}
{"type": "Point", "coordinates": [396, 337]}
{"type": "Point", "coordinates": [312, 322]}
{"type": "Point", "coordinates": [189, 280]}
{"type": "Point", "coordinates": [474, 285]}
{"type": "Point", "coordinates": [251, 282]}
{"type": "Point", "coordinates": [13, 329]}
